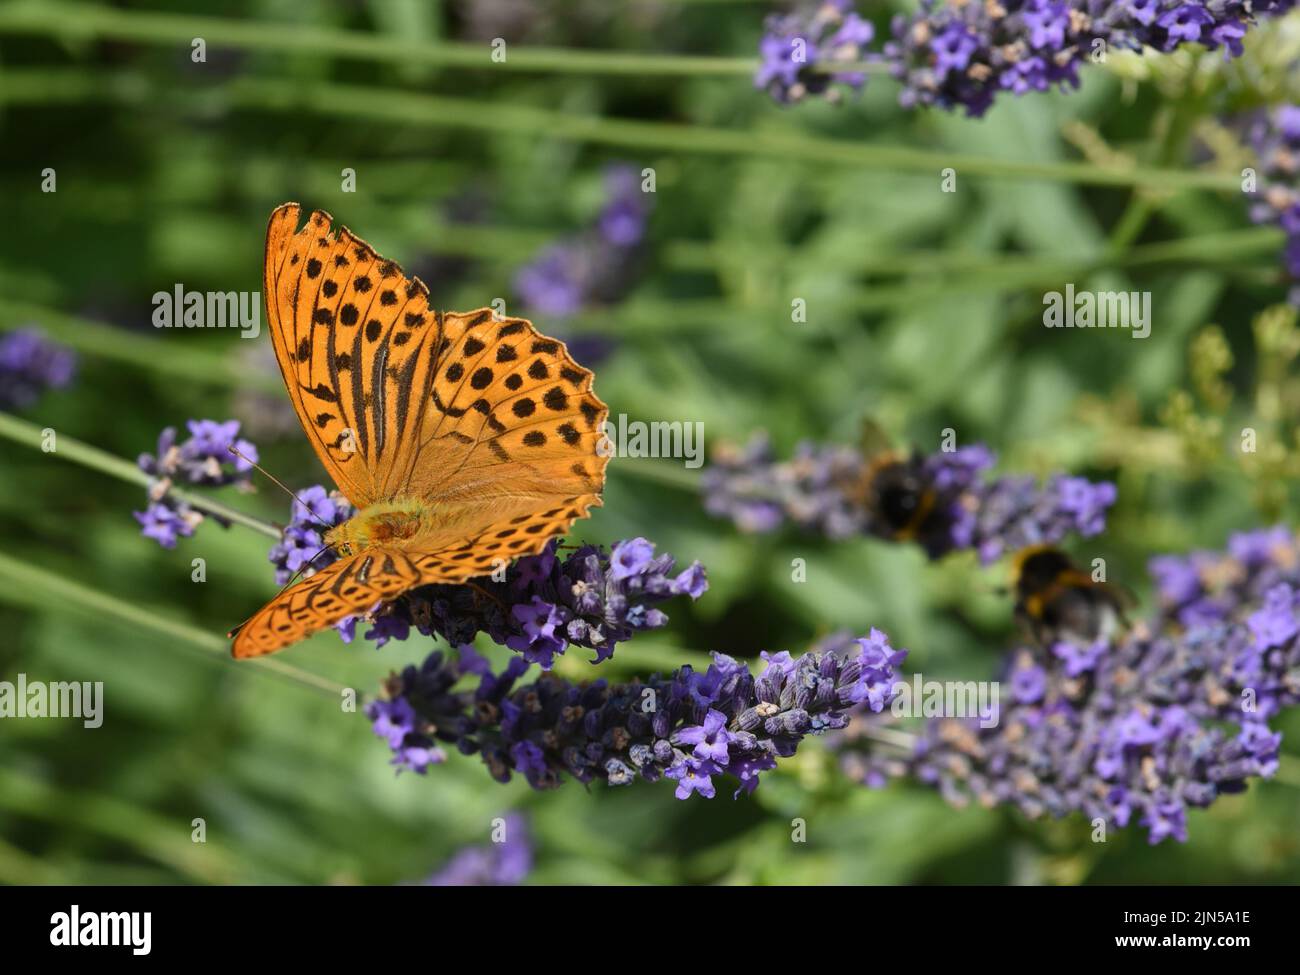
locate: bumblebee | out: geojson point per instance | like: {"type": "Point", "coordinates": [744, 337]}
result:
{"type": "Point", "coordinates": [1057, 601]}
{"type": "Point", "coordinates": [898, 499]}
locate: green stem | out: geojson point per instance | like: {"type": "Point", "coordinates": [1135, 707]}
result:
{"type": "Point", "coordinates": [29, 435]}
{"type": "Point", "coordinates": [656, 471]}
{"type": "Point", "coordinates": [80, 22]}
{"type": "Point", "coordinates": [30, 793]}
{"type": "Point", "coordinates": [433, 111]}
{"type": "Point", "coordinates": [117, 344]}
{"type": "Point", "coordinates": [1177, 124]}
{"type": "Point", "coordinates": [23, 583]}
{"type": "Point", "coordinates": [1243, 245]}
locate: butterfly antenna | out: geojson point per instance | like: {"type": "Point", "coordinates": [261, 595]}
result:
{"type": "Point", "coordinates": [276, 481]}
{"type": "Point", "coordinates": [292, 579]}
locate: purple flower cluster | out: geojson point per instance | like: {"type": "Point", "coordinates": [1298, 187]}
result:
{"type": "Point", "coordinates": [942, 501]}
{"type": "Point", "coordinates": [501, 863]}
{"type": "Point", "coordinates": [29, 365]}
{"type": "Point", "coordinates": [203, 460]}
{"type": "Point", "coordinates": [596, 265]}
{"type": "Point", "coordinates": [799, 50]}
{"type": "Point", "coordinates": [965, 54]}
{"type": "Point", "coordinates": [1214, 586]}
{"type": "Point", "coordinates": [1015, 512]}
{"type": "Point", "coordinates": [1275, 137]}
{"type": "Point", "coordinates": [302, 542]}
{"type": "Point", "coordinates": [689, 727]}
{"type": "Point", "coordinates": [1164, 719]}
{"type": "Point", "coordinates": [813, 489]}
{"type": "Point", "coordinates": [544, 604]}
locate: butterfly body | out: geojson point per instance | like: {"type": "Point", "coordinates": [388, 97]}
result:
{"type": "Point", "coordinates": [465, 440]}
{"type": "Point", "coordinates": [386, 523]}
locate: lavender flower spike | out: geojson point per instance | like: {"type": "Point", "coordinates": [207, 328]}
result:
{"type": "Point", "coordinates": [1166, 718]}
{"type": "Point", "coordinates": [690, 727]}
{"type": "Point", "coordinates": [1275, 137]}
{"type": "Point", "coordinates": [203, 459]}
{"type": "Point", "coordinates": [500, 863]}
{"type": "Point", "coordinates": [543, 605]}
{"type": "Point", "coordinates": [964, 55]}
{"type": "Point", "coordinates": [798, 50]}
{"type": "Point", "coordinates": [597, 265]}
{"type": "Point", "coordinates": [943, 501]}
{"type": "Point", "coordinates": [29, 365]}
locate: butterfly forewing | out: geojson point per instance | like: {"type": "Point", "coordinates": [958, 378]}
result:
{"type": "Point", "coordinates": [353, 336]}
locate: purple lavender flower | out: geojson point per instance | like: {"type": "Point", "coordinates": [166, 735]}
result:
{"type": "Point", "coordinates": [544, 604]}
{"type": "Point", "coordinates": [693, 776]}
{"type": "Point", "coordinates": [203, 459]}
{"type": "Point", "coordinates": [497, 864]}
{"type": "Point", "coordinates": [630, 558]}
{"type": "Point", "coordinates": [1206, 586]}
{"type": "Point", "coordinates": [165, 524]}
{"type": "Point", "coordinates": [962, 55]}
{"type": "Point", "coordinates": [710, 738]}
{"type": "Point", "coordinates": [1077, 660]}
{"type": "Point", "coordinates": [953, 48]}
{"type": "Point", "coordinates": [1028, 683]}
{"type": "Point", "coordinates": [1275, 138]}
{"type": "Point", "coordinates": [942, 501]}
{"type": "Point", "coordinates": [302, 543]}
{"type": "Point", "coordinates": [29, 365]}
{"type": "Point", "coordinates": [1184, 23]}
{"type": "Point", "coordinates": [689, 727]}
{"type": "Point", "coordinates": [555, 283]}
{"type": "Point", "coordinates": [597, 265]}
{"type": "Point", "coordinates": [393, 720]}
{"type": "Point", "coordinates": [1136, 729]}
{"type": "Point", "coordinates": [622, 221]}
{"type": "Point", "coordinates": [799, 50]}
{"type": "Point", "coordinates": [1275, 623]}
{"type": "Point", "coordinates": [539, 642]}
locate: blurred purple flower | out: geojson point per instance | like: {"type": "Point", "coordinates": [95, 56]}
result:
{"type": "Point", "coordinates": [798, 51]}
{"type": "Point", "coordinates": [942, 501]}
{"type": "Point", "coordinates": [498, 864]}
{"type": "Point", "coordinates": [29, 365]}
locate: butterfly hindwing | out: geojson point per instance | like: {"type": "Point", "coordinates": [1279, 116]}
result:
{"type": "Point", "coordinates": [506, 399]}
{"type": "Point", "coordinates": [356, 584]}
{"type": "Point", "coordinates": [350, 586]}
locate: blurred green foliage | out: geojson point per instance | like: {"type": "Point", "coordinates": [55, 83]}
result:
{"type": "Point", "coordinates": [922, 313]}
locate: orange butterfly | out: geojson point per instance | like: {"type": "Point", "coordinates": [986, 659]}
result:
{"type": "Point", "coordinates": [464, 440]}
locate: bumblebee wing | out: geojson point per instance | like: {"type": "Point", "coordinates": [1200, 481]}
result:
{"type": "Point", "coordinates": [872, 440]}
